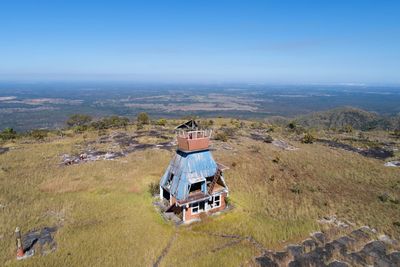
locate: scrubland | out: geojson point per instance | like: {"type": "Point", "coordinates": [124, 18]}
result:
{"type": "Point", "coordinates": [106, 217]}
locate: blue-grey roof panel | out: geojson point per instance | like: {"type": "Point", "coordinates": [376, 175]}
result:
{"type": "Point", "coordinates": [186, 169]}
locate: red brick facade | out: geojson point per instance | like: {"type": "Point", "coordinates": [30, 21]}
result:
{"type": "Point", "coordinates": [188, 211]}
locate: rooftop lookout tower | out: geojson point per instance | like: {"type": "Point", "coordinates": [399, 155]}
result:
{"type": "Point", "coordinates": [193, 140]}
{"type": "Point", "coordinates": [193, 183]}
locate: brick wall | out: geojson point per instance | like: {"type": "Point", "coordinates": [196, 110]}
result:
{"type": "Point", "coordinates": [188, 211]}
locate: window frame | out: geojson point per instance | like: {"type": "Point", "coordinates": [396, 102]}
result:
{"type": "Point", "coordinates": [195, 206]}
{"type": "Point", "coordinates": [214, 205]}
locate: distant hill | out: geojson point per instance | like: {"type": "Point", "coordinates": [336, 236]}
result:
{"type": "Point", "coordinates": [340, 117]}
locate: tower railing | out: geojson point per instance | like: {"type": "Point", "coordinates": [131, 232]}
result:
{"type": "Point", "coordinates": [193, 140]}
{"type": "Point", "coordinates": [194, 134]}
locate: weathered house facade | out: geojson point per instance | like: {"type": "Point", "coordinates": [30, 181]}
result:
{"type": "Point", "coordinates": [193, 183]}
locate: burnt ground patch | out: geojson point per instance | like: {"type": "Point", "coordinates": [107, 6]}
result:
{"type": "Point", "coordinates": [4, 150]}
{"type": "Point", "coordinates": [122, 143]}
{"type": "Point", "coordinates": [377, 153]}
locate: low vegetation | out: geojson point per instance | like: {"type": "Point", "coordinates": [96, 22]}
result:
{"type": "Point", "coordinates": [106, 217]}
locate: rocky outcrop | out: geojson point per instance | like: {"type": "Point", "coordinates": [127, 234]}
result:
{"type": "Point", "coordinates": [359, 247]}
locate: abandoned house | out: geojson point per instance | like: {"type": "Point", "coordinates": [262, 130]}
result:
{"type": "Point", "coordinates": [193, 183]}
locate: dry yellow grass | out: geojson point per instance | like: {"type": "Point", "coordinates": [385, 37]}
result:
{"type": "Point", "coordinates": [107, 217]}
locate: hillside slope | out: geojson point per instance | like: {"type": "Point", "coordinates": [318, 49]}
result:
{"type": "Point", "coordinates": [341, 117]}
{"type": "Point", "coordinates": [105, 216]}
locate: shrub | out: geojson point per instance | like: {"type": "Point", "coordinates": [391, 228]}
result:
{"type": "Point", "coordinates": [161, 122]}
{"type": "Point", "coordinates": [277, 159]}
{"type": "Point", "coordinates": [222, 136]}
{"type": "Point", "coordinates": [268, 139]}
{"type": "Point", "coordinates": [386, 197]}
{"type": "Point", "coordinates": [255, 148]}
{"type": "Point", "coordinates": [79, 120]}
{"type": "Point", "coordinates": [227, 201]}
{"type": "Point", "coordinates": [154, 188]}
{"type": "Point", "coordinates": [347, 128]}
{"type": "Point", "coordinates": [99, 125]}
{"type": "Point", "coordinates": [139, 126]}
{"type": "Point", "coordinates": [38, 134]}
{"type": "Point", "coordinates": [292, 125]}
{"type": "Point", "coordinates": [396, 133]}
{"type": "Point", "coordinates": [295, 189]}
{"type": "Point", "coordinates": [257, 125]}
{"type": "Point", "coordinates": [80, 128]}
{"type": "Point", "coordinates": [308, 139]}
{"type": "Point", "coordinates": [143, 118]}
{"type": "Point", "coordinates": [8, 134]}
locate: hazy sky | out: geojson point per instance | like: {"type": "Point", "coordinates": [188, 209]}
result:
{"type": "Point", "coordinates": [326, 41]}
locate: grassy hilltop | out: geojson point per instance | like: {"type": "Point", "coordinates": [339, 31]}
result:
{"type": "Point", "coordinates": [106, 217]}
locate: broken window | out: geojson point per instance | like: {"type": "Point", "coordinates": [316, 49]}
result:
{"type": "Point", "coordinates": [197, 207]}
{"type": "Point", "coordinates": [217, 201]}
{"type": "Point", "coordinates": [166, 194]}
{"type": "Point", "coordinates": [195, 187]}
{"type": "Point", "coordinates": [171, 176]}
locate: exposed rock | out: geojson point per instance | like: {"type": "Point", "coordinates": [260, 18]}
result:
{"type": "Point", "coordinates": [39, 241]}
{"type": "Point", "coordinates": [309, 245]}
{"type": "Point", "coordinates": [266, 262]}
{"type": "Point", "coordinates": [295, 250]}
{"type": "Point", "coordinates": [378, 153]}
{"type": "Point", "coordinates": [283, 145]}
{"type": "Point", "coordinates": [387, 240]}
{"type": "Point", "coordinates": [122, 144]}
{"type": "Point", "coordinates": [392, 164]}
{"type": "Point", "coordinates": [358, 248]}
{"type": "Point", "coordinates": [333, 221]}
{"type": "Point", "coordinates": [319, 237]}
{"type": "Point", "coordinates": [4, 150]}
{"type": "Point", "coordinates": [394, 257]}
{"type": "Point", "coordinates": [338, 264]}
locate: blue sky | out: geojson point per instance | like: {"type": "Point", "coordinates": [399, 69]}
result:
{"type": "Point", "coordinates": [326, 41]}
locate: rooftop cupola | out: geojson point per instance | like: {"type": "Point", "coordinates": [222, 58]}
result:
{"type": "Point", "coordinates": [191, 138]}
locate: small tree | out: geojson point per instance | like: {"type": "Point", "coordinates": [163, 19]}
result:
{"type": "Point", "coordinates": [222, 136]}
{"type": "Point", "coordinates": [268, 139]}
{"type": "Point", "coordinates": [348, 128]}
{"type": "Point", "coordinates": [308, 139]}
{"type": "Point", "coordinates": [154, 188]}
{"type": "Point", "coordinates": [143, 118]}
{"type": "Point", "coordinates": [79, 120]}
{"type": "Point", "coordinates": [161, 122]}
{"type": "Point", "coordinates": [8, 134]}
{"type": "Point", "coordinates": [397, 133]}
{"type": "Point", "coordinates": [292, 125]}
{"type": "Point", "coordinates": [39, 134]}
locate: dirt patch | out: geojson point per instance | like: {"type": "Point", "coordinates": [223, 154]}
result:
{"type": "Point", "coordinates": [377, 153]}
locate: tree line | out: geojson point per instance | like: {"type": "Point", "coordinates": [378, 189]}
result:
{"type": "Point", "coordinates": [82, 122]}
